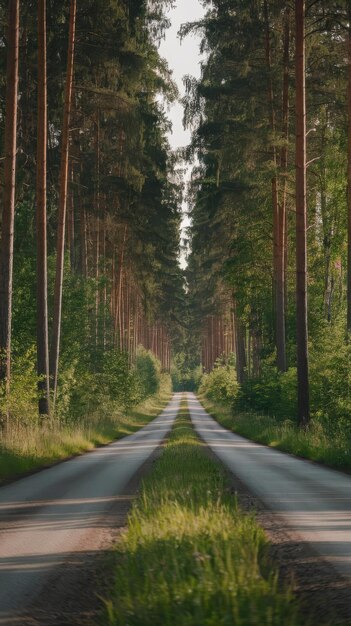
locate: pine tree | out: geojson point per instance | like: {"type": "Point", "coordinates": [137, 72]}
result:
{"type": "Point", "coordinates": [301, 220]}
{"type": "Point", "coordinates": [42, 303]}
{"type": "Point", "coordinates": [63, 192]}
{"type": "Point", "coordinates": [8, 212]}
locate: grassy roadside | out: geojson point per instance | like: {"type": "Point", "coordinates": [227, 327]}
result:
{"type": "Point", "coordinates": [314, 444]}
{"type": "Point", "coordinates": [189, 557]}
{"type": "Point", "coordinates": [24, 449]}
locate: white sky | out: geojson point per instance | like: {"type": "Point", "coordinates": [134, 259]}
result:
{"type": "Point", "coordinates": [183, 58]}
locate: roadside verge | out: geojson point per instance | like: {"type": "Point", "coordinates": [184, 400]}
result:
{"type": "Point", "coordinates": [29, 449]}
{"type": "Point", "coordinates": [314, 444]}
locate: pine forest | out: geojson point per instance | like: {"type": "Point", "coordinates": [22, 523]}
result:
{"type": "Point", "coordinates": [133, 272]}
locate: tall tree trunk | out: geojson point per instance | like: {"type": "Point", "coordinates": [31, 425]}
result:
{"type": "Point", "coordinates": [8, 211]}
{"type": "Point", "coordinates": [349, 177]}
{"type": "Point", "coordinates": [239, 345]}
{"type": "Point", "coordinates": [83, 235]}
{"type": "Point", "coordinates": [255, 333]}
{"type": "Point", "coordinates": [278, 260]}
{"type": "Point", "coordinates": [301, 220]}
{"type": "Point", "coordinates": [98, 226]}
{"type": "Point", "coordinates": [282, 232]}
{"type": "Point", "coordinates": [117, 327]}
{"type": "Point", "coordinates": [60, 251]}
{"type": "Point", "coordinates": [42, 304]}
{"type": "Point", "coordinates": [71, 231]}
{"type": "Point", "coordinates": [104, 292]}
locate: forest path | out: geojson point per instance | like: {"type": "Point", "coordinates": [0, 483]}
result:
{"type": "Point", "coordinates": [313, 502]}
{"type": "Point", "coordinates": [56, 523]}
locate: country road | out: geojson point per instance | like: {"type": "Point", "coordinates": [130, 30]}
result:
{"type": "Point", "coordinates": [314, 502]}
{"type": "Point", "coordinates": [51, 523]}
{"type": "Point", "coordinates": [54, 523]}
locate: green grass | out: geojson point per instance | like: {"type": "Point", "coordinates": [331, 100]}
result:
{"type": "Point", "coordinates": [314, 444]}
{"type": "Point", "coordinates": [189, 556]}
{"type": "Point", "coordinates": [26, 448]}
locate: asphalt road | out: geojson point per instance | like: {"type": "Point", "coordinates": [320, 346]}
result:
{"type": "Point", "coordinates": [314, 502]}
{"type": "Point", "coordinates": [50, 522]}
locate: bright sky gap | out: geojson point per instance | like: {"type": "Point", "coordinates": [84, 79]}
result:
{"type": "Point", "coordinates": [183, 58]}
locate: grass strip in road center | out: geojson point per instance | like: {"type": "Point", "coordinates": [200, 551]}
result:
{"type": "Point", "coordinates": [189, 556]}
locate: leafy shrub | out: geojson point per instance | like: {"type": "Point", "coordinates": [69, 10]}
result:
{"type": "Point", "coordinates": [330, 377]}
{"type": "Point", "coordinates": [116, 377]}
{"type": "Point", "coordinates": [273, 393]}
{"type": "Point", "coordinates": [82, 392]}
{"type": "Point", "coordinates": [221, 384]}
{"type": "Point", "coordinates": [22, 403]}
{"type": "Point", "coordinates": [147, 372]}
{"type": "Point", "coordinates": [186, 379]}
{"type": "Point", "coordinates": [165, 384]}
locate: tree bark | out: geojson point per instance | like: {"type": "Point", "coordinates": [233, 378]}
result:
{"type": "Point", "coordinates": [239, 345]}
{"type": "Point", "coordinates": [98, 225]}
{"type": "Point", "coordinates": [301, 221]}
{"type": "Point", "coordinates": [278, 259]}
{"type": "Point", "coordinates": [71, 229]}
{"type": "Point", "coordinates": [60, 251]}
{"type": "Point", "coordinates": [8, 211]}
{"type": "Point", "coordinates": [119, 283]}
{"type": "Point", "coordinates": [349, 177]}
{"type": "Point", "coordinates": [83, 237]}
{"type": "Point", "coordinates": [282, 233]}
{"type": "Point", "coordinates": [42, 305]}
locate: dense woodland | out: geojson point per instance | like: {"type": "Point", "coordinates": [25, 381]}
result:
{"type": "Point", "coordinates": [269, 268]}
{"type": "Point", "coordinates": [91, 205]}
{"type": "Point", "coordinates": [91, 294]}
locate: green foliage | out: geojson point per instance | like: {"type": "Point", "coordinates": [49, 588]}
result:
{"type": "Point", "coordinates": [220, 384]}
{"type": "Point", "coordinates": [188, 550]}
{"type": "Point", "coordinates": [121, 187]}
{"type": "Point", "coordinates": [185, 375]}
{"type": "Point", "coordinates": [22, 403]}
{"type": "Point", "coordinates": [117, 377]}
{"type": "Point", "coordinates": [330, 377]}
{"type": "Point", "coordinates": [147, 372]}
{"type": "Point", "coordinates": [234, 137]}
{"type": "Point", "coordinates": [316, 443]}
{"type": "Point", "coordinates": [115, 386]}
{"type": "Point", "coordinates": [25, 447]}
{"type": "Point", "coordinates": [272, 392]}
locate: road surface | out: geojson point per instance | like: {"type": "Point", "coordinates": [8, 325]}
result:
{"type": "Point", "coordinates": [314, 502]}
{"type": "Point", "coordinates": [53, 521]}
